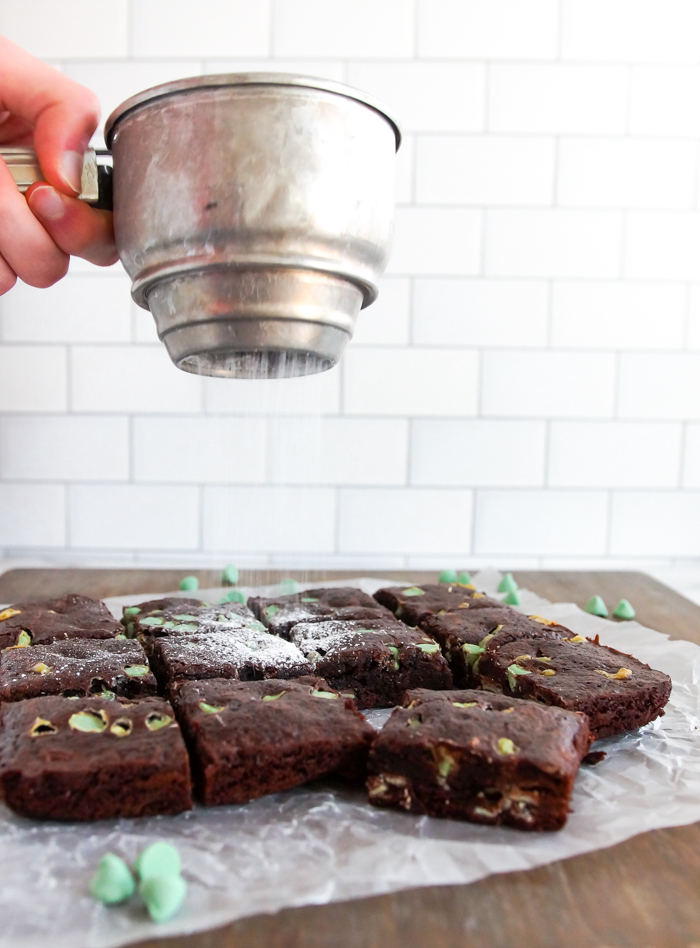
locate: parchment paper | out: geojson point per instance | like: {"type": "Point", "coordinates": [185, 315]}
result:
{"type": "Point", "coordinates": [323, 843]}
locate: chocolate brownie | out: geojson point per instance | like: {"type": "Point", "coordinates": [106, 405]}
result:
{"type": "Point", "coordinates": [615, 690]}
{"type": "Point", "coordinates": [413, 604]}
{"type": "Point", "coordinates": [156, 607]}
{"type": "Point", "coordinates": [248, 655]}
{"type": "Point", "coordinates": [166, 617]}
{"type": "Point", "coordinates": [78, 667]}
{"type": "Point", "coordinates": [474, 756]}
{"type": "Point", "coordinates": [92, 759]}
{"type": "Point", "coordinates": [314, 605]}
{"type": "Point", "coordinates": [70, 617]}
{"type": "Point", "coordinates": [248, 739]}
{"type": "Point", "coordinates": [464, 634]}
{"type": "Point", "coordinates": [373, 661]}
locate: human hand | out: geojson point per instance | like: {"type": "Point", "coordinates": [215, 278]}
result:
{"type": "Point", "coordinates": [42, 108]}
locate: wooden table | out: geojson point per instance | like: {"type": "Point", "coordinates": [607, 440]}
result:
{"type": "Point", "coordinates": [643, 893]}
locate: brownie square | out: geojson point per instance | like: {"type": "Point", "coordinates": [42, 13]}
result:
{"type": "Point", "coordinates": [248, 655]}
{"type": "Point", "coordinates": [615, 690]}
{"type": "Point", "coordinates": [464, 634]}
{"type": "Point", "coordinates": [484, 758]}
{"type": "Point", "coordinates": [248, 739]}
{"type": "Point", "coordinates": [167, 617]}
{"type": "Point", "coordinates": [92, 759]}
{"type": "Point", "coordinates": [77, 667]}
{"type": "Point", "coordinates": [314, 605]}
{"type": "Point", "coordinates": [413, 604]}
{"type": "Point", "coordinates": [70, 617]}
{"type": "Point", "coordinates": [373, 661]}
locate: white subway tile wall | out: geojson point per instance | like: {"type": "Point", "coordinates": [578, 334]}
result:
{"type": "Point", "coordinates": [526, 390]}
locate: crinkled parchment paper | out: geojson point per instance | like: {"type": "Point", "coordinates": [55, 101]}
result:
{"type": "Point", "coordinates": [323, 843]}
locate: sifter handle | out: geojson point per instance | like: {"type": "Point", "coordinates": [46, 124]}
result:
{"type": "Point", "coordinates": [96, 183]}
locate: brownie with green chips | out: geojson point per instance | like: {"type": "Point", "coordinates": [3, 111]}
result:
{"type": "Point", "coordinates": [615, 690]}
{"type": "Point", "coordinates": [315, 605]}
{"type": "Point", "coordinates": [92, 759]}
{"type": "Point", "coordinates": [164, 618]}
{"type": "Point", "coordinates": [70, 617]}
{"type": "Point", "coordinates": [464, 634]}
{"type": "Point", "coordinates": [486, 758]}
{"type": "Point", "coordinates": [413, 604]}
{"type": "Point", "coordinates": [372, 660]}
{"type": "Point", "coordinates": [76, 668]}
{"type": "Point", "coordinates": [249, 739]}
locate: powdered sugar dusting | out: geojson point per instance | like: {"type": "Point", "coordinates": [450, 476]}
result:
{"type": "Point", "coordinates": [239, 648]}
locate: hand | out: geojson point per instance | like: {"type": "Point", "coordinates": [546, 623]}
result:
{"type": "Point", "coordinates": [39, 231]}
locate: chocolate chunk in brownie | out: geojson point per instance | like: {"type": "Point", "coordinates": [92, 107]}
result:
{"type": "Point", "coordinates": [248, 655]}
{"type": "Point", "coordinates": [474, 756]}
{"type": "Point", "coordinates": [70, 617]}
{"type": "Point", "coordinates": [373, 661]}
{"type": "Point", "coordinates": [464, 634]}
{"type": "Point", "coordinates": [78, 667]}
{"type": "Point", "coordinates": [314, 605]}
{"type": "Point", "coordinates": [248, 739]}
{"type": "Point", "coordinates": [615, 690]}
{"type": "Point", "coordinates": [413, 604]}
{"type": "Point", "coordinates": [92, 759]}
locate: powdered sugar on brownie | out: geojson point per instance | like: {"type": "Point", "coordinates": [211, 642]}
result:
{"type": "Point", "coordinates": [321, 637]}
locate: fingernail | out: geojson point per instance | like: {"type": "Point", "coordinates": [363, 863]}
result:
{"type": "Point", "coordinates": [72, 169]}
{"type": "Point", "coordinates": [47, 202]}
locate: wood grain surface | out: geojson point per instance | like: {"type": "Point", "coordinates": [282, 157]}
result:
{"type": "Point", "coordinates": [643, 893]}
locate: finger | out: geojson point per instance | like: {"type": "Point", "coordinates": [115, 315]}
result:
{"type": "Point", "coordinates": [25, 245]}
{"type": "Point", "coordinates": [63, 113]}
{"type": "Point", "coordinates": [77, 228]}
{"type": "Point", "coordinates": [15, 131]}
{"type": "Point", "coordinates": [8, 277]}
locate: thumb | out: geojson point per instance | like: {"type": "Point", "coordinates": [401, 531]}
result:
{"type": "Point", "coordinates": [61, 136]}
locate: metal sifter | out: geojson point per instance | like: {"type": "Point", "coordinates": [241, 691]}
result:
{"type": "Point", "coordinates": [253, 213]}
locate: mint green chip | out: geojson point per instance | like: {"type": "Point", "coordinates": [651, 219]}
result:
{"type": "Point", "coordinates": [271, 611]}
{"type": "Point", "coordinates": [395, 652]}
{"type": "Point", "coordinates": [464, 578]}
{"type": "Point", "coordinates": [153, 620]}
{"type": "Point", "coordinates": [624, 610]}
{"type": "Point", "coordinates": [448, 576]}
{"type": "Point", "coordinates": [233, 596]}
{"type": "Point", "coordinates": [472, 652]}
{"type": "Point", "coordinates": [112, 883]}
{"type": "Point", "coordinates": [163, 895]}
{"type": "Point", "coordinates": [230, 575]}
{"type": "Point", "coordinates": [511, 598]}
{"type": "Point", "coordinates": [309, 599]}
{"type": "Point", "coordinates": [429, 647]}
{"type": "Point", "coordinates": [507, 584]}
{"type": "Point", "coordinates": [413, 591]}
{"type": "Point", "coordinates": [136, 671]}
{"type": "Point", "coordinates": [512, 673]}
{"type": "Point", "coordinates": [596, 607]}
{"type": "Point", "coordinates": [189, 583]}
{"type": "Point", "coordinates": [157, 859]}
{"type": "Point", "coordinates": [288, 587]}
{"type": "Point", "coordinates": [132, 611]}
